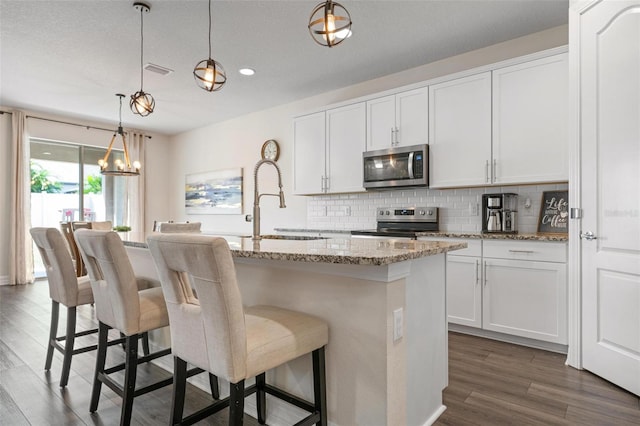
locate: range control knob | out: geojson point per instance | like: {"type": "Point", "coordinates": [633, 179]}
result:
{"type": "Point", "coordinates": [387, 212]}
{"type": "Point", "coordinates": [381, 212]}
{"type": "Point", "coordinates": [430, 212]}
{"type": "Point", "coordinates": [421, 212]}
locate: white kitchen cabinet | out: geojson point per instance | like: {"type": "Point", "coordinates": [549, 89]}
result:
{"type": "Point", "coordinates": [309, 153]}
{"type": "Point", "coordinates": [398, 120]}
{"type": "Point", "coordinates": [328, 148]}
{"type": "Point", "coordinates": [460, 131]}
{"type": "Point", "coordinates": [464, 285]}
{"type": "Point", "coordinates": [525, 289]}
{"type": "Point", "coordinates": [530, 122]}
{"type": "Point", "coordinates": [506, 126]}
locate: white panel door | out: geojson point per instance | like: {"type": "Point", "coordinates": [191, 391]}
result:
{"type": "Point", "coordinates": [412, 117]}
{"type": "Point", "coordinates": [346, 140]}
{"type": "Point", "coordinates": [309, 153]}
{"type": "Point", "coordinates": [610, 140]}
{"type": "Point", "coordinates": [381, 123]}
{"type": "Point", "coordinates": [530, 121]}
{"type": "Point", "coordinates": [464, 291]}
{"type": "Point", "coordinates": [460, 132]}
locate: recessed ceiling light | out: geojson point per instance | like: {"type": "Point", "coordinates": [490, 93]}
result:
{"type": "Point", "coordinates": [247, 71]}
{"type": "Point", "coordinates": [46, 153]}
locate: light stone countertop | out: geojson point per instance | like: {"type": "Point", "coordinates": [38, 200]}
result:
{"type": "Point", "coordinates": [333, 250]}
{"type": "Point", "coordinates": [469, 235]}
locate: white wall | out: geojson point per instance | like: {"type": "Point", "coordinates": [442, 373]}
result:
{"type": "Point", "coordinates": [237, 142]}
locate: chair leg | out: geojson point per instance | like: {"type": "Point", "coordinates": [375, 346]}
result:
{"type": "Point", "coordinates": [236, 403]}
{"type": "Point", "coordinates": [53, 331]}
{"type": "Point", "coordinates": [179, 389]}
{"type": "Point", "coordinates": [130, 369]}
{"type": "Point", "coordinates": [320, 385]}
{"type": "Point", "coordinates": [261, 400]}
{"type": "Point", "coordinates": [68, 345]}
{"type": "Point", "coordinates": [213, 384]}
{"type": "Point", "coordinates": [101, 357]}
{"type": "Point", "coordinates": [145, 343]}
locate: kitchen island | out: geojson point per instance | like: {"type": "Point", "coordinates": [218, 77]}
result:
{"type": "Point", "coordinates": [384, 301]}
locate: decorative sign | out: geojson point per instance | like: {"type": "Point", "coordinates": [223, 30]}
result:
{"type": "Point", "coordinates": [554, 213]}
{"type": "Point", "coordinates": [217, 192]}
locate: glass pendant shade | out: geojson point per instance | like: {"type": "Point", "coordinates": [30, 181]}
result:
{"type": "Point", "coordinates": [329, 24]}
{"type": "Point", "coordinates": [121, 168]}
{"type": "Point", "coordinates": [208, 73]}
{"type": "Point", "coordinates": [142, 103]}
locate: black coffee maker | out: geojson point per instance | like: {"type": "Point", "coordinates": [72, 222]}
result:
{"type": "Point", "coordinates": [499, 212]}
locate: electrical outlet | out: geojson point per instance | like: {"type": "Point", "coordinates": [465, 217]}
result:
{"type": "Point", "coordinates": [397, 324]}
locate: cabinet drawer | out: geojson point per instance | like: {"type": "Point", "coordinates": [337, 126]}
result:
{"type": "Point", "coordinates": [534, 251]}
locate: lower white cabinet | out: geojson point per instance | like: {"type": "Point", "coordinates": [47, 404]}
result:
{"type": "Point", "coordinates": [512, 287]}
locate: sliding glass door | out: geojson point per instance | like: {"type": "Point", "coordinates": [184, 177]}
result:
{"type": "Point", "coordinates": [66, 186]}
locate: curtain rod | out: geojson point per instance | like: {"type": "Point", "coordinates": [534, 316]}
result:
{"type": "Point", "coordinates": [76, 124]}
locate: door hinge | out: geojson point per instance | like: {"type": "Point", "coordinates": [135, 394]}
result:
{"type": "Point", "coordinates": [575, 213]}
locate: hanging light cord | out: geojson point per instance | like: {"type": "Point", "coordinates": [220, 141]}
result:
{"type": "Point", "coordinates": [120, 115]}
{"type": "Point", "coordinates": [209, 29]}
{"type": "Point", "coordinates": [141, 48]}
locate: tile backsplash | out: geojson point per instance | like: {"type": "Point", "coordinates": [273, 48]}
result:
{"type": "Point", "coordinates": [460, 209]}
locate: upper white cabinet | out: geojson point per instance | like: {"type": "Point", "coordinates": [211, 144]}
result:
{"type": "Point", "coordinates": [506, 126]}
{"type": "Point", "coordinates": [530, 122]}
{"type": "Point", "coordinates": [460, 131]}
{"type": "Point", "coordinates": [398, 120]}
{"type": "Point", "coordinates": [309, 153]}
{"type": "Point", "coordinates": [328, 148]}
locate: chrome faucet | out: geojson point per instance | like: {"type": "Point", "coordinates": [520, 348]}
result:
{"type": "Point", "coordinates": [257, 195]}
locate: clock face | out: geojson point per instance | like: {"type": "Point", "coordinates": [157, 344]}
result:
{"type": "Point", "coordinates": [271, 150]}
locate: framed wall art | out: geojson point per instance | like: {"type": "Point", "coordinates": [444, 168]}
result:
{"type": "Point", "coordinates": [215, 192]}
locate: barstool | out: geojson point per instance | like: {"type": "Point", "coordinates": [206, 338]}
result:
{"type": "Point", "coordinates": [64, 288]}
{"type": "Point", "coordinates": [121, 305]}
{"type": "Point", "coordinates": [175, 227]}
{"type": "Point", "coordinates": [214, 331]}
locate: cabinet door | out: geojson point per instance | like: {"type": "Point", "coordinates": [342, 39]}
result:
{"type": "Point", "coordinates": [309, 153]}
{"type": "Point", "coordinates": [381, 122]}
{"type": "Point", "coordinates": [527, 299]}
{"type": "Point", "coordinates": [464, 291]}
{"type": "Point", "coordinates": [530, 121]}
{"type": "Point", "coordinates": [346, 139]}
{"type": "Point", "coordinates": [460, 131]}
{"type": "Point", "coordinates": [412, 117]}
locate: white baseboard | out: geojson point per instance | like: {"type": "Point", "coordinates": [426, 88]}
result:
{"type": "Point", "coordinates": [523, 341]}
{"type": "Point", "coordinates": [4, 279]}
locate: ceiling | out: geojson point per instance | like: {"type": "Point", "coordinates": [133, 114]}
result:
{"type": "Point", "coordinates": [70, 58]}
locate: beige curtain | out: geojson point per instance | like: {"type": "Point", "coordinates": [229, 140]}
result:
{"type": "Point", "coordinates": [135, 185]}
{"type": "Point", "coordinates": [21, 252]}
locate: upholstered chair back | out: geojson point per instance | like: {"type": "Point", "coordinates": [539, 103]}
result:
{"type": "Point", "coordinates": [208, 332]}
{"type": "Point", "coordinates": [188, 228]}
{"type": "Point", "coordinates": [61, 273]}
{"type": "Point", "coordinates": [113, 281]}
{"type": "Point", "coordinates": [105, 225]}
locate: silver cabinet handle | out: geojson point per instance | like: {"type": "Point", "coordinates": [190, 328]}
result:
{"type": "Point", "coordinates": [321, 183]}
{"type": "Point", "coordinates": [397, 140]}
{"type": "Point", "coordinates": [493, 172]}
{"type": "Point", "coordinates": [486, 171]}
{"type": "Point", "coordinates": [589, 236]}
{"type": "Point", "coordinates": [326, 185]}
{"type": "Point", "coordinates": [477, 272]}
{"type": "Point", "coordinates": [485, 273]}
{"type": "Point", "coordinates": [522, 251]}
{"type": "Point", "coordinates": [392, 138]}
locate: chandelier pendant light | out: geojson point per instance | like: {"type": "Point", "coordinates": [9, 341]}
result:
{"type": "Point", "coordinates": [142, 103]}
{"type": "Point", "coordinates": [208, 73]}
{"type": "Point", "coordinates": [329, 24]}
{"type": "Point", "coordinates": [121, 168]}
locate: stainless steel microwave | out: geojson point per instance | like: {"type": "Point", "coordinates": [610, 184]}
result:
{"type": "Point", "coordinates": [396, 167]}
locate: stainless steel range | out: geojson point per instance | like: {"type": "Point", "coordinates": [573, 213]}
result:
{"type": "Point", "coordinates": [403, 222]}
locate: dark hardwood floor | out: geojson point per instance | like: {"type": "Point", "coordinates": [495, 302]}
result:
{"type": "Point", "coordinates": [490, 383]}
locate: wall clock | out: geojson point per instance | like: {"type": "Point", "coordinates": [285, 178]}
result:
{"type": "Point", "coordinates": [271, 150]}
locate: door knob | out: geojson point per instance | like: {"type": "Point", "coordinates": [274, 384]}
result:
{"type": "Point", "coordinates": [588, 236]}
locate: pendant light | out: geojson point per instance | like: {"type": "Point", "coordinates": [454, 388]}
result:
{"type": "Point", "coordinates": [208, 73]}
{"type": "Point", "coordinates": [121, 168]}
{"type": "Point", "coordinates": [142, 103]}
{"type": "Point", "coordinates": [330, 24]}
